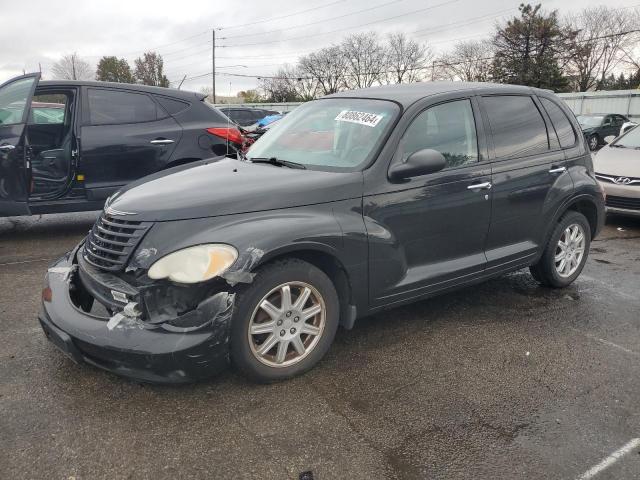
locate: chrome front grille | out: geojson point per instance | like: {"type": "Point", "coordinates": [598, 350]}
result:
{"type": "Point", "coordinates": [618, 180]}
{"type": "Point", "coordinates": [112, 240]}
{"type": "Point", "coordinates": [628, 203]}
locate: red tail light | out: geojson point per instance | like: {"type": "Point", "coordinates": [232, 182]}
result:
{"type": "Point", "coordinates": [231, 134]}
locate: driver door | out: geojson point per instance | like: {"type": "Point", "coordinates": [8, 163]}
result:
{"type": "Point", "coordinates": [15, 103]}
{"type": "Point", "coordinates": [435, 226]}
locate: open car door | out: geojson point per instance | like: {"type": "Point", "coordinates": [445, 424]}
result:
{"type": "Point", "coordinates": [15, 103]}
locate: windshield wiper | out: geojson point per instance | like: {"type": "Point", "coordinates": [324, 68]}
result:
{"type": "Point", "coordinates": [617, 145]}
{"type": "Point", "coordinates": [278, 162]}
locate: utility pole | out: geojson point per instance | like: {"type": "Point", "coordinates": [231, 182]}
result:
{"type": "Point", "coordinates": [213, 63]}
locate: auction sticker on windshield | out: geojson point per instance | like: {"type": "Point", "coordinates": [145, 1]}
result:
{"type": "Point", "coordinates": [361, 118]}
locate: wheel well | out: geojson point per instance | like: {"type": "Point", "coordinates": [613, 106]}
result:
{"type": "Point", "coordinates": [333, 268]}
{"type": "Point", "coordinates": [589, 210]}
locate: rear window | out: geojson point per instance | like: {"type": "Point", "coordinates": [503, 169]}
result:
{"type": "Point", "coordinates": [562, 125]}
{"type": "Point", "coordinates": [517, 126]}
{"type": "Point", "coordinates": [108, 107]}
{"type": "Point", "coordinates": [172, 106]}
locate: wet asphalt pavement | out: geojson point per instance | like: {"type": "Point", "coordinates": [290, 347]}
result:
{"type": "Point", "coordinates": [499, 381]}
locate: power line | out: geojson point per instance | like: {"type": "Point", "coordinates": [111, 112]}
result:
{"type": "Point", "coordinates": [461, 23]}
{"type": "Point", "coordinates": [229, 28]}
{"type": "Point", "coordinates": [280, 17]}
{"type": "Point", "coordinates": [427, 31]}
{"type": "Point", "coordinates": [316, 22]}
{"type": "Point", "coordinates": [343, 29]}
{"type": "Point", "coordinates": [426, 67]}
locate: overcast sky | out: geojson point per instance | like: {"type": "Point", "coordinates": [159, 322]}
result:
{"type": "Point", "coordinates": [253, 36]}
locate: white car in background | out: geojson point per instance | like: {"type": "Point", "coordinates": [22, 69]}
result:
{"type": "Point", "coordinates": [617, 167]}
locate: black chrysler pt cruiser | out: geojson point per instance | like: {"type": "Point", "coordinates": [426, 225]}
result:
{"type": "Point", "coordinates": [354, 203]}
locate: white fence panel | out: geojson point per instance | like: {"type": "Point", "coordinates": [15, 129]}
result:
{"type": "Point", "coordinates": [625, 102]}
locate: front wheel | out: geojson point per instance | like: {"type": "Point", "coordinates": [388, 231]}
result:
{"type": "Point", "coordinates": [284, 321]}
{"type": "Point", "coordinates": [593, 142]}
{"type": "Point", "coordinates": [566, 252]}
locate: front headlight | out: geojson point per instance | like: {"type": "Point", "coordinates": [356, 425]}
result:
{"type": "Point", "coordinates": [194, 264]}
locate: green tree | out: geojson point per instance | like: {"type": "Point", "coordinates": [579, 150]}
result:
{"type": "Point", "coordinates": [529, 50]}
{"type": "Point", "coordinates": [149, 70]}
{"type": "Point", "coordinates": [113, 69]}
{"type": "Point", "coordinates": [621, 82]}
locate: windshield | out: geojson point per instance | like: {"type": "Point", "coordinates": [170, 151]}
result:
{"type": "Point", "coordinates": [631, 139]}
{"type": "Point", "coordinates": [590, 120]}
{"type": "Point", "coordinates": [336, 134]}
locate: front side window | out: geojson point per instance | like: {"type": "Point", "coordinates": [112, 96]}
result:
{"type": "Point", "coordinates": [13, 100]}
{"type": "Point", "coordinates": [109, 107]}
{"type": "Point", "coordinates": [335, 134]}
{"type": "Point", "coordinates": [517, 126]}
{"type": "Point", "coordinates": [448, 128]}
{"type": "Point", "coordinates": [562, 125]}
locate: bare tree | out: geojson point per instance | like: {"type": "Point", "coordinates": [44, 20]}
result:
{"type": "Point", "coordinates": [326, 67]}
{"type": "Point", "coordinates": [72, 67]}
{"type": "Point", "coordinates": [365, 58]}
{"type": "Point", "coordinates": [600, 43]}
{"type": "Point", "coordinates": [469, 61]}
{"type": "Point", "coordinates": [281, 87]}
{"type": "Point", "coordinates": [406, 59]}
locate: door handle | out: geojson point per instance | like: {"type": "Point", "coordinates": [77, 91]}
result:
{"type": "Point", "coordinates": [7, 148]}
{"type": "Point", "coordinates": [558, 169]}
{"type": "Point", "coordinates": [480, 186]}
{"type": "Point", "coordinates": [161, 141]}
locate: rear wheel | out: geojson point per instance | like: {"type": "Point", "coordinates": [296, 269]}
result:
{"type": "Point", "coordinates": [565, 253]}
{"type": "Point", "coordinates": [593, 141]}
{"type": "Point", "coordinates": [284, 321]}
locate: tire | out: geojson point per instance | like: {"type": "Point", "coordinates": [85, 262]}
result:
{"type": "Point", "coordinates": [270, 284]}
{"type": "Point", "coordinates": [594, 142]}
{"type": "Point", "coordinates": [550, 271]}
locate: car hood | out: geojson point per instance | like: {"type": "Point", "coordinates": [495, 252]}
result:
{"type": "Point", "coordinates": [225, 187]}
{"type": "Point", "coordinates": [617, 162]}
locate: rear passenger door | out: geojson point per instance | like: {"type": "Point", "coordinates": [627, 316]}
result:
{"type": "Point", "coordinates": [125, 135]}
{"type": "Point", "coordinates": [526, 163]}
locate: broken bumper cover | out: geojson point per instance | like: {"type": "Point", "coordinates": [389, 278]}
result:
{"type": "Point", "coordinates": [136, 349]}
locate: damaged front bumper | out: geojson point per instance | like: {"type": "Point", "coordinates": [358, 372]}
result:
{"type": "Point", "coordinates": [127, 341]}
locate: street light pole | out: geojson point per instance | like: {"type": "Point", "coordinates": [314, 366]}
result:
{"type": "Point", "coordinates": [213, 63]}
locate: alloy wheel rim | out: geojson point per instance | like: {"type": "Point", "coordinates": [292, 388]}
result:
{"type": "Point", "coordinates": [594, 143]}
{"type": "Point", "coordinates": [287, 324]}
{"type": "Point", "coordinates": [570, 250]}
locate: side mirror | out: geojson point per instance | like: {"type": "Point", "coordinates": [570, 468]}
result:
{"type": "Point", "coordinates": [609, 139]}
{"type": "Point", "coordinates": [422, 162]}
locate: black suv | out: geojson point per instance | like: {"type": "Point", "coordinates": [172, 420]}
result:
{"type": "Point", "coordinates": [596, 127]}
{"type": "Point", "coordinates": [67, 145]}
{"type": "Point", "coordinates": [245, 116]}
{"type": "Point", "coordinates": [357, 202]}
